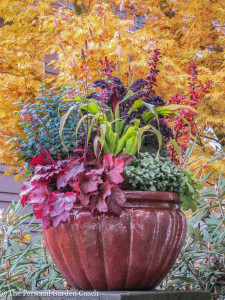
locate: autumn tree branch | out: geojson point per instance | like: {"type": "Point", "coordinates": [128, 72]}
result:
{"type": "Point", "coordinates": [17, 75]}
{"type": "Point", "coordinates": [166, 9]}
{"type": "Point", "coordinates": [210, 138]}
{"type": "Point", "coordinates": [79, 8]}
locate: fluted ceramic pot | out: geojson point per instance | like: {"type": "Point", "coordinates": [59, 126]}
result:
{"type": "Point", "coordinates": [135, 250]}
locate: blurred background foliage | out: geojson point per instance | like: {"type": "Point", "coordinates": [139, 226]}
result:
{"type": "Point", "coordinates": [25, 263]}
{"type": "Point", "coordinates": [201, 263]}
{"type": "Point", "coordinates": [182, 30]}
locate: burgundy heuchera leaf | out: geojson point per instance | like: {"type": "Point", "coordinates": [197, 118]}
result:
{"type": "Point", "coordinates": [28, 188]}
{"type": "Point", "coordinates": [38, 199]}
{"type": "Point", "coordinates": [116, 200]}
{"type": "Point", "coordinates": [97, 187]}
{"type": "Point", "coordinates": [69, 176]}
{"type": "Point", "coordinates": [88, 183]}
{"type": "Point", "coordinates": [43, 159]}
{"type": "Point", "coordinates": [98, 200]}
{"type": "Point", "coordinates": [60, 205]}
{"type": "Point", "coordinates": [126, 158]}
{"type": "Point", "coordinates": [47, 172]}
{"type": "Point", "coordinates": [113, 168]}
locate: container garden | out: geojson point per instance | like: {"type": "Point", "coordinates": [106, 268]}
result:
{"type": "Point", "coordinates": [110, 208]}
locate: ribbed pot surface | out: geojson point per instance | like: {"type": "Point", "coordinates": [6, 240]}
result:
{"type": "Point", "coordinates": [135, 250]}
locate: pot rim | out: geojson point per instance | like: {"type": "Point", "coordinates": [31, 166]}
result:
{"type": "Point", "coordinates": [141, 199]}
{"type": "Point", "coordinates": [151, 196]}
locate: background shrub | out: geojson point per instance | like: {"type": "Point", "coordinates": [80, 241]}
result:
{"type": "Point", "coordinates": [25, 263]}
{"type": "Point", "coordinates": [201, 263]}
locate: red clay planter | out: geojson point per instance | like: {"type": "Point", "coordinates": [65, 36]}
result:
{"type": "Point", "coordinates": [135, 250]}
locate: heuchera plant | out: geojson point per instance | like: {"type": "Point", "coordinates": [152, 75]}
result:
{"type": "Point", "coordinates": [57, 185]}
{"type": "Point", "coordinates": [115, 121]}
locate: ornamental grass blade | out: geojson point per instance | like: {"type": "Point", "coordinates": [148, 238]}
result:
{"type": "Point", "coordinates": [110, 137]}
{"type": "Point", "coordinates": [19, 258]}
{"type": "Point", "coordinates": [127, 96]}
{"type": "Point", "coordinates": [166, 110]}
{"type": "Point", "coordinates": [119, 127]}
{"type": "Point", "coordinates": [117, 119]}
{"type": "Point", "coordinates": [175, 107]}
{"type": "Point", "coordinates": [95, 145]}
{"type": "Point", "coordinates": [137, 104]}
{"type": "Point", "coordinates": [196, 172]}
{"type": "Point", "coordinates": [220, 180]}
{"type": "Point", "coordinates": [152, 109]}
{"type": "Point", "coordinates": [91, 108]}
{"type": "Point", "coordinates": [78, 98]}
{"type": "Point", "coordinates": [222, 191]}
{"type": "Point", "coordinates": [194, 161]}
{"type": "Point", "coordinates": [207, 176]}
{"type": "Point", "coordinates": [177, 148]}
{"type": "Point", "coordinates": [89, 133]}
{"type": "Point", "coordinates": [63, 122]}
{"type": "Point", "coordinates": [136, 122]}
{"type": "Point", "coordinates": [102, 138]}
{"type": "Point", "coordinates": [208, 193]}
{"type": "Point", "coordinates": [80, 122]}
{"type": "Point", "coordinates": [139, 138]}
{"type": "Point", "coordinates": [189, 152]}
{"type": "Point", "coordinates": [215, 158]}
{"type": "Point", "coordinates": [212, 160]}
{"type": "Point", "coordinates": [159, 136]}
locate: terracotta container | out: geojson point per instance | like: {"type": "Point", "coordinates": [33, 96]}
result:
{"type": "Point", "coordinates": [135, 250]}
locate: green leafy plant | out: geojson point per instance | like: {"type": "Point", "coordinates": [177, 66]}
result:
{"type": "Point", "coordinates": [190, 191]}
{"type": "Point", "coordinates": [41, 121]}
{"type": "Point", "coordinates": [146, 173]}
{"type": "Point", "coordinates": [112, 132]}
{"type": "Point", "coordinates": [116, 137]}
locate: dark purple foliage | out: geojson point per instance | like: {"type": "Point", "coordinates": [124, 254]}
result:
{"type": "Point", "coordinates": [164, 129]}
{"type": "Point", "coordinates": [118, 87]}
{"type": "Point", "coordinates": [138, 85]}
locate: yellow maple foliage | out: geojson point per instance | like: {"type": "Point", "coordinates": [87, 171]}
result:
{"type": "Point", "coordinates": [182, 30]}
